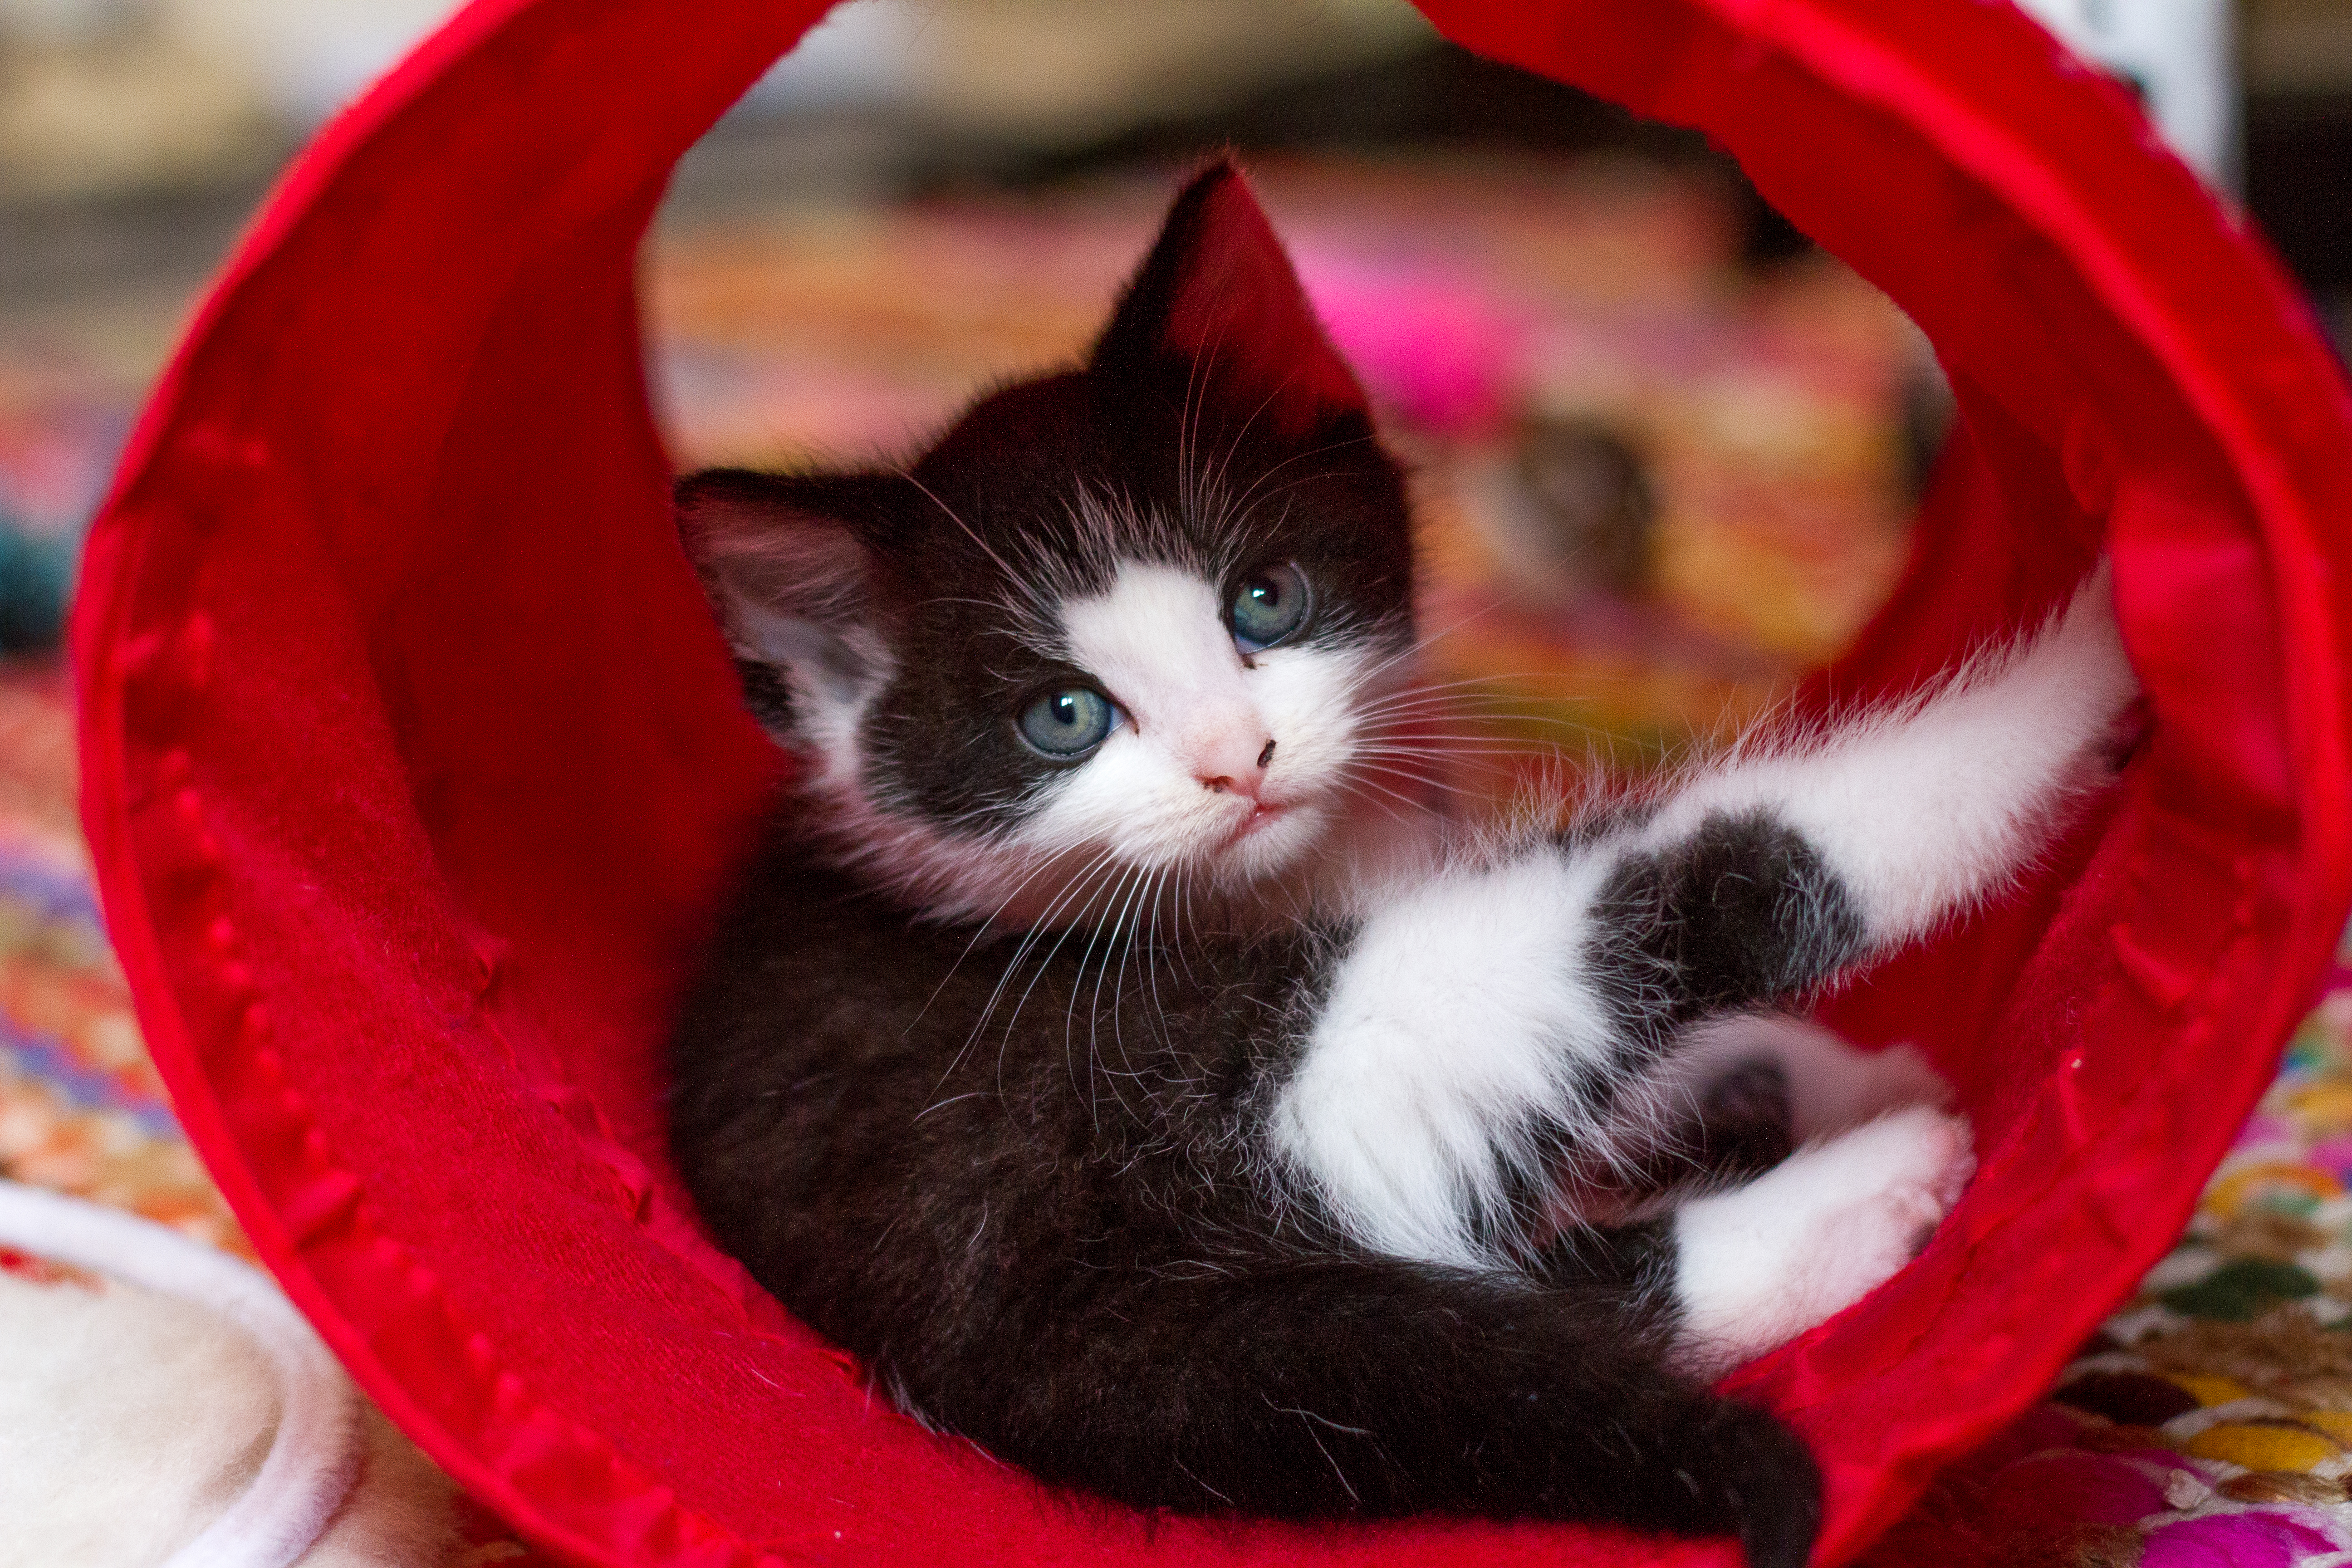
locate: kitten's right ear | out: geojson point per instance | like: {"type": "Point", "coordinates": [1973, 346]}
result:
{"type": "Point", "coordinates": [793, 587]}
{"type": "Point", "coordinates": [1219, 299]}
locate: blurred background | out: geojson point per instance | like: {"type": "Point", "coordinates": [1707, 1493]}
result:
{"type": "Point", "coordinates": [1667, 449]}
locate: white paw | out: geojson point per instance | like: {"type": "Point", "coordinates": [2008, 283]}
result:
{"type": "Point", "coordinates": [1762, 1263]}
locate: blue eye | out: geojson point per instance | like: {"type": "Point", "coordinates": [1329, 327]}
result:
{"type": "Point", "coordinates": [1069, 722]}
{"type": "Point", "coordinates": [1271, 605]}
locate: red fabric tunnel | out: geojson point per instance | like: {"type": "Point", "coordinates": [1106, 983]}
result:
{"type": "Point", "coordinates": [411, 763]}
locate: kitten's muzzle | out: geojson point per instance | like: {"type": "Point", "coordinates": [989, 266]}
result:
{"type": "Point", "coordinates": [1261, 815]}
{"type": "Point", "coordinates": [1232, 765]}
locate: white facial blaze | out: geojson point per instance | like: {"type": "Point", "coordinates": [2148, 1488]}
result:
{"type": "Point", "coordinates": [1182, 781]}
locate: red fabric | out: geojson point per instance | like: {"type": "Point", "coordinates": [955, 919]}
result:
{"type": "Point", "coordinates": [410, 763]}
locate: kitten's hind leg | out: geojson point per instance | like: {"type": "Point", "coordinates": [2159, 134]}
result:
{"type": "Point", "coordinates": [1369, 1388]}
{"type": "Point", "coordinates": [1760, 1264]}
{"type": "Point", "coordinates": [1828, 1084]}
{"type": "Point", "coordinates": [1767, 1240]}
{"type": "Point", "coordinates": [1735, 1097]}
{"type": "Point", "coordinates": [1727, 1122]}
{"type": "Point", "coordinates": [1743, 1126]}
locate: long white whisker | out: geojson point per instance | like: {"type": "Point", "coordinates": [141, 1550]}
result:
{"type": "Point", "coordinates": [1215, 484]}
{"type": "Point", "coordinates": [971, 533]}
{"type": "Point", "coordinates": [1119, 930]}
{"type": "Point", "coordinates": [1365, 676]}
{"type": "Point", "coordinates": [1357, 786]}
{"type": "Point", "coordinates": [1080, 887]}
{"type": "Point", "coordinates": [980, 933]}
{"type": "Point", "coordinates": [1029, 940]}
{"type": "Point", "coordinates": [1148, 907]}
{"type": "Point", "coordinates": [1241, 507]}
{"type": "Point", "coordinates": [1070, 1012]}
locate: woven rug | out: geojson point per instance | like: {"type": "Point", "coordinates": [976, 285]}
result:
{"type": "Point", "coordinates": [1558, 322]}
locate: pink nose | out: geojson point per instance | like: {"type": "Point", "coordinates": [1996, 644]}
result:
{"type": "Point", "coordinates": [1235, 767]}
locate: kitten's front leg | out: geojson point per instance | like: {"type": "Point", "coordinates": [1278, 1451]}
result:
{"type": "Point", "coordinates": [1487, 1021]}
{"type": "Point", "coordinates": [1824, 1084]}
{"type": "Point", "coordinates": [1770, 875]}
{"type": "Point", "coordinates": [1455, 1046]}
{"type": "Point", "coordinates": [1772, 872]}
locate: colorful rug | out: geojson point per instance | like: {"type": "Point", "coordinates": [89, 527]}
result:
{"type": "Point", "coordinates": [2209, 1424]}
{"type": "Point", "coordinates": [81, 1110]}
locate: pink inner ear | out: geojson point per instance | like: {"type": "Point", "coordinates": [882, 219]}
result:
{"type": "Point", "coordinates": [1240, 312]}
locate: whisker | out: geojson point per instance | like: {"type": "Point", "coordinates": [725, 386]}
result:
{"type": "Point", "coordinates": [1080, 887]}
{"type": "Point", "coordinates": [1472, 695]}
{"type": "Point", "coordinates": [1028, 940]}
{"type": "Point", "coordinates": [1147, 904]}
{"type": "Point", "coordinates": [1070, 1013]}
{"type": "Point", "coordinates": [978, 935]}
{"type": "Point", "coordinates": [1241, 506]}
{"type": "Point", "coordinates": [1180, 919]}
{"type": "Point", "coordinates": [1129, 919]}
{"type": "Point", "coordinates": [1357, 785]}
{"type": "Point", "coordinates": [1216, 483]}
{"type": "Point", "coordinates": [1417, 645]}
{"type": "Point", "coordinates": [970, 532]}
{"type": "Point", "coordinates": [1150, 961]}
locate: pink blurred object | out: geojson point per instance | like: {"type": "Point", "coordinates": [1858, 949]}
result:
{"type": "Point", "coordinates": [2235, 1540]}
{"type": "Point", "coordinates": [1441, 351]}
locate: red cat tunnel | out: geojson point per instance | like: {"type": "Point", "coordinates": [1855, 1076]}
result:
{"type": "Point", "coordinates": [411, 763]}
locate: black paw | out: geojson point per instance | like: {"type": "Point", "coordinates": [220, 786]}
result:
{"type": "Point", "coordinates": [1746, 1125]}
{"type": "Point", "coordinates": [1769, 1484]}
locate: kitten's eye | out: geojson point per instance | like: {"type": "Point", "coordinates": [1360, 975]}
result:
{"type": "Point", "coordinates": [1069, 722]}
{"type": "Point", "coordinates": [1271, 605]}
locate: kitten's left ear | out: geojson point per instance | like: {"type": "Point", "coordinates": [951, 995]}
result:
{"type": "Point", "coordinates": [1218, 303]}
{"type": "Point", "coordinates": [792, 582]}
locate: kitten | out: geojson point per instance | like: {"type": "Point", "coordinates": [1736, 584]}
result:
{"type": "Point", "coordinates": [1106, 1047]}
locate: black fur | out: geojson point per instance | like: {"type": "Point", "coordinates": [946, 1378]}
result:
{"type": "Point", "coordinates": [1740, 915]}
{"type": "Point", "coordinates": [1737, 915]}
{"type": "Point", "coordinates": [1047, 1234]}
{"type": "Point", "coordinates": [1044, 1213]}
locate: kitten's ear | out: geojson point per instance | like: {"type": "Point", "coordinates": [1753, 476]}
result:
{"type": "Point", "coordinates": [1217, 297]}
{"type": "Point", "coordinates": [792, 583]}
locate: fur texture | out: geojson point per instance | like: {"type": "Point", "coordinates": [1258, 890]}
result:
{"type": "Point", "coordinates": [1115, 1044]}
{"type": "Point", "coordinates": [128, 1420]}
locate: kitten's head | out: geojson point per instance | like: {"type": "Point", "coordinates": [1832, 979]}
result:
{"type": "Point", "coordinates": [1131, 619]}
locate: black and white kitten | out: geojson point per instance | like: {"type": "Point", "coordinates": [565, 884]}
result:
{"type": "Point", "coordinates": [1109, 1046]}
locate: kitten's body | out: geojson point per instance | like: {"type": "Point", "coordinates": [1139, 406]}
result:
{"type": "Point", "coordinates": [1063, 1239]}
{"type": "Point", "coordinates": [1108, 1048]}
